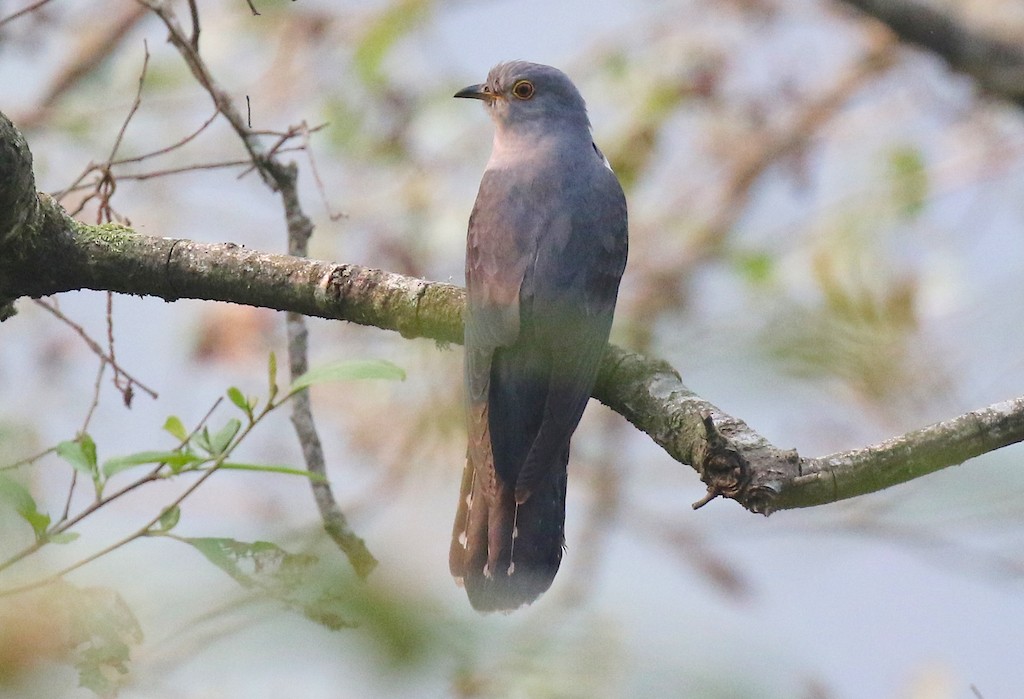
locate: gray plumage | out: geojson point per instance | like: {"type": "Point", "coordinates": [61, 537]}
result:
{"type": "Point", "coordinates": [545, 252]}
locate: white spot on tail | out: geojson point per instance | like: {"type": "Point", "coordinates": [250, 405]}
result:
{"type": "Point", "coordinates": [463, 540]}
{"type": "Point", "coordinates": [604, 158]}
{"type": "Point", "coordinates": [512, 548]}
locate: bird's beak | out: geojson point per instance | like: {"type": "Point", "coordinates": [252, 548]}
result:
{"type": "Point", "coordinates": [476, 92]}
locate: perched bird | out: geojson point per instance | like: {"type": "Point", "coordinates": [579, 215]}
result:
{"type": "Point", "coordinates": [545, 252]}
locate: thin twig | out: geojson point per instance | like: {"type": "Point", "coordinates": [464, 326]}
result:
{"type": "Point", "coordinates": [23, 11]}
{"type": "Point", "coordinates": [306, 131]}
{"type": "Point", "coordinates": [93, 345]}
{"type": "Point", "coordinates": [194, 13]}
{"type": "Point", "coordinates": [28, 460]}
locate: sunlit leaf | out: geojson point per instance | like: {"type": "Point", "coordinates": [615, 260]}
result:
{"type": "Point", "coordinates": [240, 401]}
{"type": "Point", "coordinates": [349, 370]}
{"type": "Point", "coordinates": [176, 428]}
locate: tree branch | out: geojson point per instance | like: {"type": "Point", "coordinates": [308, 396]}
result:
{"type": "Point", "coordinates": [43, 251]}
{"type": "Point", "coordinates": [997, 66]}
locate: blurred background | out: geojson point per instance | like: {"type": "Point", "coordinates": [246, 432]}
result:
{"type": "Point", "coordinates": [825, 241]}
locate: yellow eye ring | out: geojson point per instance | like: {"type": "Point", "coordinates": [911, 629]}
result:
{"type": "Point", "coordinates": [523, 89]}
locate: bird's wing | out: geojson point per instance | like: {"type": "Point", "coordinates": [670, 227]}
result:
{"type": "Point", "coordinates": [569, 299]}
{"type": "Point", "coordinates": [498, 253]}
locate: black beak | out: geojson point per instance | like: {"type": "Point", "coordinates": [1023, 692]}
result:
{"type": "Point", "coordinates": [476, 92]}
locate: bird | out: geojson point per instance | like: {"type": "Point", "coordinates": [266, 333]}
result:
{"type": "Point", "coordinates": [545, 251]}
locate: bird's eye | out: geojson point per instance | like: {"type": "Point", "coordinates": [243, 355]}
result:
{"type": "Point", "coordinates": [523, 89]}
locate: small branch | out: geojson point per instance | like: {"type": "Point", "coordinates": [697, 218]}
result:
{"type": "Point", "coordinates": [22, 12]}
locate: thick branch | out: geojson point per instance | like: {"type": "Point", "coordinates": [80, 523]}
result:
{"type": "Point", "coordinates": [43, 251]}
{"type": "Point", "coordinates": [997, 66]}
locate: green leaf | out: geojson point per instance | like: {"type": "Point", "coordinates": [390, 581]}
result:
{"type": "Point", "coordinates": [17, 496]}
{"type": "Point", "coordinates": [62, 538]}
{"type": "Point", "coordinates": [909, 180]}
{"type": "Point", "coordinates": [756, 266]}
{"type": "Point", "coordinates": [272, 376]}
{"type": "Point", "coordinates": [81, 457]}
{"type": "Point", "coordinates": [89, 449]}
{"type": "Point", "coordinates": [221, 439]}
{"type": "Point", "coordinates": [240, 401]}
{"type": "Point", "coordinates": [175, 459]}
{"type": "Point", "coordinates": [288, 470]}
{"type": "Point", "coordinates": [390, 26]}
{"type": "Point", "coordinates": [177, 429]}
{"type": "Point", "coordinates": [349, 370]}
{"type": "Point", "coordinates": [169, 519]}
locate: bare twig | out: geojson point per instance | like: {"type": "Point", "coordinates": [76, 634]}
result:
{"type": "Point", "coordinates": [22, 12]}
{"type": "Point", "coordinates": [201, 72]}
{"type": "Point", "coordinates": [194, 13]}
{"type": "Point", "coordinates": [94, 346]}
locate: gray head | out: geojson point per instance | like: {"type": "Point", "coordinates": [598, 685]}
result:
{"type": "Point", "coordinates": [524, 96]}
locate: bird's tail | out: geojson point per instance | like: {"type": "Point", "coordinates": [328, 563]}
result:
{"type": "Point", "coordinates": [505, 554]}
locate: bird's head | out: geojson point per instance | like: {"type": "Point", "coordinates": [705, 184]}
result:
{"type": "Point", "coordinates": [521, 95]}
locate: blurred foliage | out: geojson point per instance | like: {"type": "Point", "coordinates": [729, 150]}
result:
{"type": "Point", "coordinates": [90, 628]}
{"type": "Point", "coordinates": [863, 328]}
{"type": "Point", "coordinates": [101, 628]}
{"type": "Point", "coordinates": [394, 22]}
{"type": "Point", "coordinates": [909, 178]}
